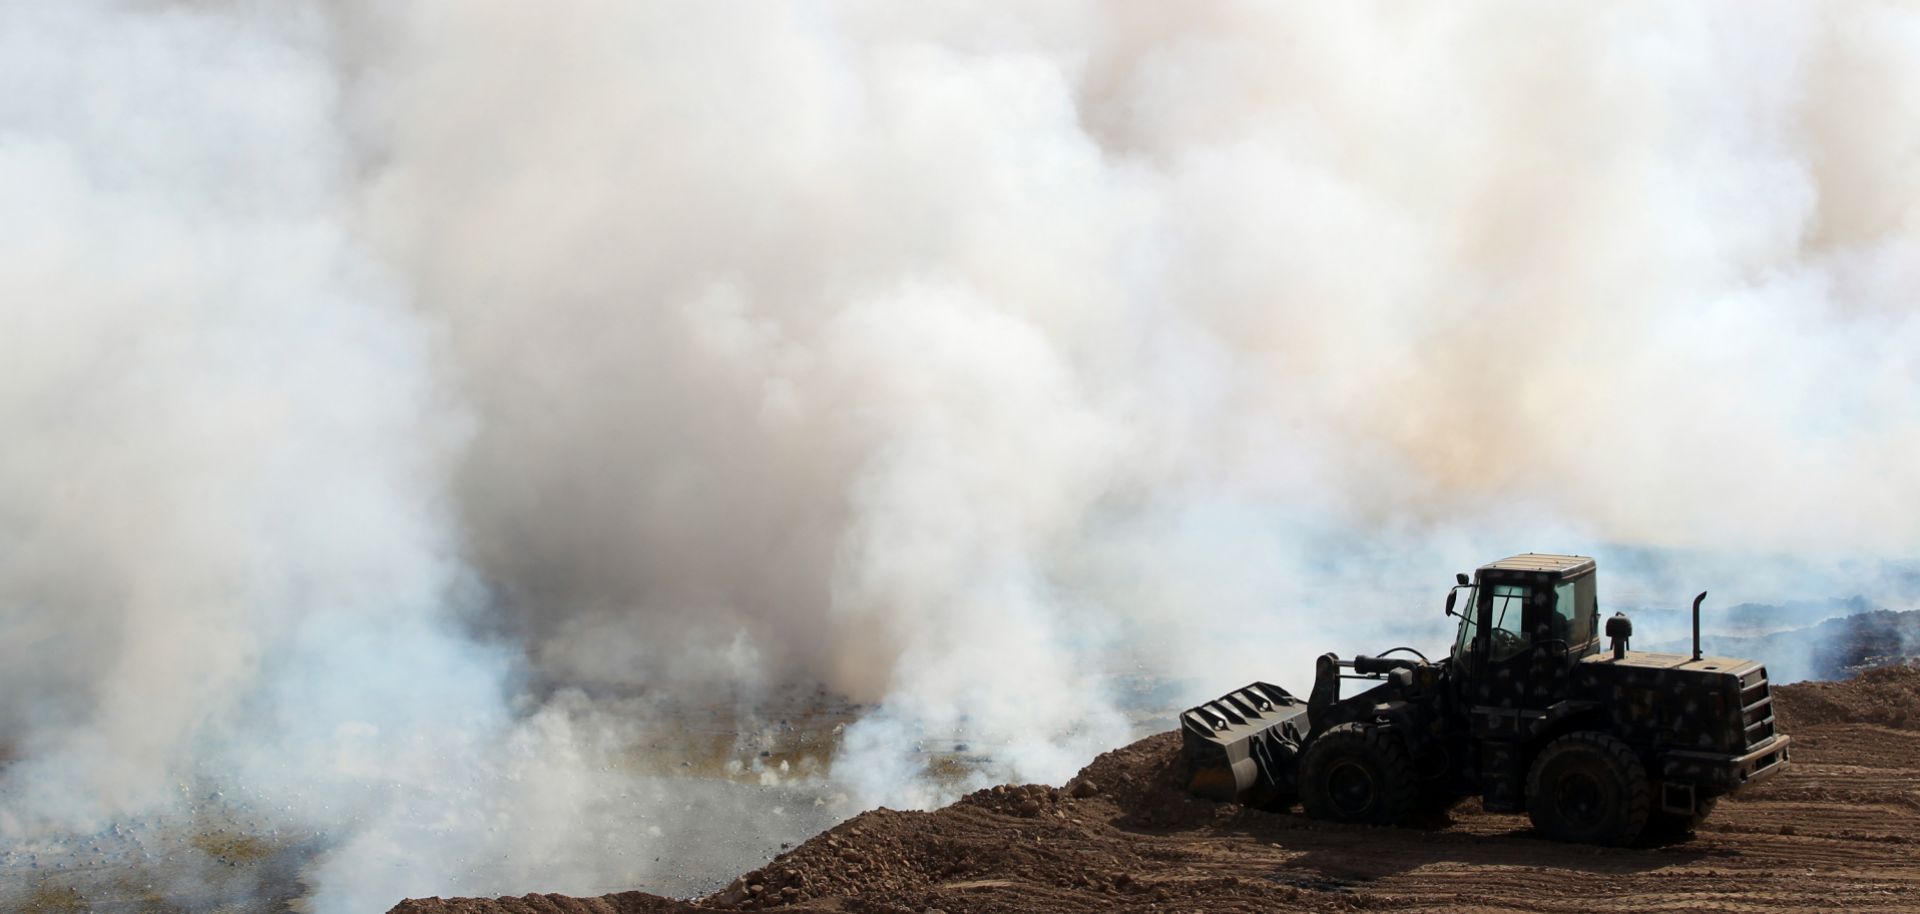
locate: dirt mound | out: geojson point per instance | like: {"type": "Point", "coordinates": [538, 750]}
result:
{"type": "Point", "coordinates": [618, 903]}
{"type": "Point", "coordinates": [1887, 697]}
{"type": "Point", "coordinates": [984, 840]}
{"type": "Point", "coordinates": [886, 853]}
{"type": "Point", "coordinates": [1145, 782]}
{"type": "Point", "coordinates": [879, 853]}
{"type": "Point", "coordinates": [1027, 848]}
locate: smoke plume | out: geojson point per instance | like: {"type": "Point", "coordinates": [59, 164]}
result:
{"type": "Point", "coordinates": [407, 406]}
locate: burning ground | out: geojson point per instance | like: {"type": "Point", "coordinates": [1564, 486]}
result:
{"type": "Point", "coordinates": [1839, 831]}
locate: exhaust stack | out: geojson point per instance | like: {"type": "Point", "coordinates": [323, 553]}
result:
{"type": "Point", "coordinates": [1696, 624]}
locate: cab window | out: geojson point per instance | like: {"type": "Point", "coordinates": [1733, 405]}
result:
{"type": "Point", "coordinates": [1509, 637]}
{"type": "Point", "coordinates": [1574, 611]}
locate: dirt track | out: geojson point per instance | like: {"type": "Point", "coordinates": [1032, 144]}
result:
{"type": "Point", "coordinates": [1839, 832]}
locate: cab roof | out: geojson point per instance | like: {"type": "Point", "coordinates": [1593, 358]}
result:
{"type": "Point", "coordinates": [1559, 565]}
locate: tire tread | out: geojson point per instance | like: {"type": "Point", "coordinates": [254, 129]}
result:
{"type": "Point", "coordinates": [1639, 792]}
{"type": "Point", "coordinates": [1401, 782]}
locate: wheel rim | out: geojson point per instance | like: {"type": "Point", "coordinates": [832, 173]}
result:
{"type": "Point", "coordinates": [1580, 800]}
{"type": "Point", "coordinates": [1350, 786]}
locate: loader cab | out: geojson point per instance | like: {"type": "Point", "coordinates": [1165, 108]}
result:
{"type": "Point", "coordinates": [1524, 620]}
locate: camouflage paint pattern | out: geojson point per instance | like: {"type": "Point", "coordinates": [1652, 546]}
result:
{"type": "Point", "coordinates": [1702, 728]}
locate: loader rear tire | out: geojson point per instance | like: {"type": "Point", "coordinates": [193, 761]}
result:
{"type": "Point", "coordinates": [1358, 773]}
{"type": "Point", "coordinates": [1588, 788]}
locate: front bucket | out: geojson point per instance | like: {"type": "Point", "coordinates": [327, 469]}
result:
{"type": "Point", "coordinates": [1243, 745]}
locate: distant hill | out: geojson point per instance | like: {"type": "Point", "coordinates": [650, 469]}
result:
{"type": "Point", "coordinates": [1742, 619]}
{"type": "Point", "coordinates": [1833, 649]}
{"type": "Point", "coordinates": [1749, 619]}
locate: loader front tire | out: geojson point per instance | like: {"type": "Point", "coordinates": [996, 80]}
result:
{"type": "Point", "coordinates": [1358, 773]}
{"type": "Point", "coordinates": [1588, 788]}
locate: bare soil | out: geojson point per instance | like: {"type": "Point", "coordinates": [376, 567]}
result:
{"type": "Point", "coordinates": [1839, 831]}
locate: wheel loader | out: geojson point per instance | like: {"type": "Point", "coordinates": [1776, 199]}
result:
{"type": "Point", "coordinates": [1596, 746]}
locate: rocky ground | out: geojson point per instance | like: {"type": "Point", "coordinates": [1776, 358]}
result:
{"type": "Point", "coordinates": [1840, 831]}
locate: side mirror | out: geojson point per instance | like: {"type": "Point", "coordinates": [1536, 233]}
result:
{"type": "Point", "coordinates": [1461, 577]}
{"type": "Point", "coordinates": [1451, 594]}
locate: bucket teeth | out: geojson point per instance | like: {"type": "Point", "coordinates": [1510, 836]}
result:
{"type": "Point", "coordinates": [1241, 746]}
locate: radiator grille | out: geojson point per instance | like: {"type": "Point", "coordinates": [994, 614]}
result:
{"type": "Point", "coordinates": [1756, 707]}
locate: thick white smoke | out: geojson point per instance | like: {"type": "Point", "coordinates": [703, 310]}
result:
{"type": "Point", "coordinates": [379, 382]}
{"type": "Point", "coordinates": [223, 443]}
